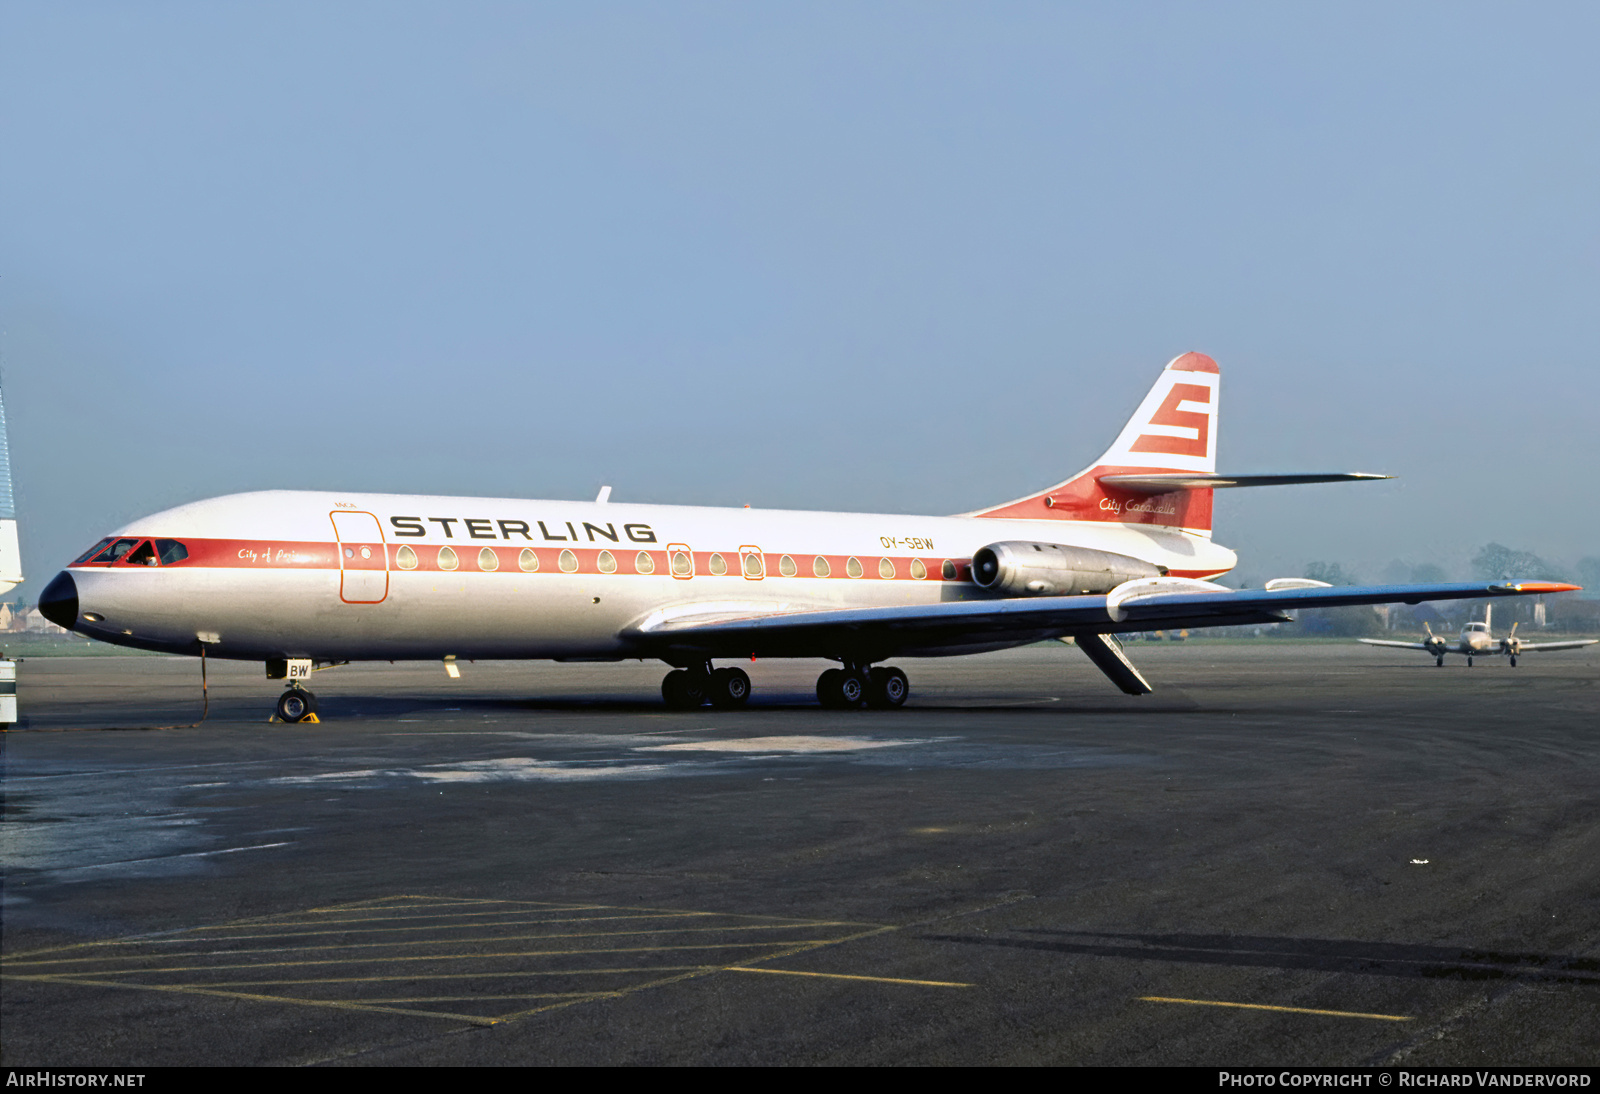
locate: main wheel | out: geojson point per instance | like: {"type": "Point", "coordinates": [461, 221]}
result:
{"type": "Point", "coordinates": [1513, 660]}
{"type": "Point", "coordinates": [840, 689]}
{"type": "Point", "coordinates": [1469, 662]}
{"type": "Point", "coordinates": [849, 688]}
{"type": "Point", "coordinates": [729, 688]}
{"type": "Point", "coordinates": [296, 705]}
{"type": "Point", "coordinates": [1439, 661]}
{"type": "Point", "coordinates": [887, 689]}
{"type": "Point", "coordinates": [683, 690]}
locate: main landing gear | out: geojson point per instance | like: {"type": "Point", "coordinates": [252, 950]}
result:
{"type": "Point", "coordinates": [853, 685]}
{"type": "Point", "coordinates": [691, 688]}
{"type": "Point", "coordinates": [883, 688]}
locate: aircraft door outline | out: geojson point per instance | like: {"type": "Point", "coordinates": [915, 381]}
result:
{"type": "Point", "coordinates": [363, 557]}
{"type": "Point", "coordinates": [674, 567]}
{"type": "Point", "coordinates": [752, 563]}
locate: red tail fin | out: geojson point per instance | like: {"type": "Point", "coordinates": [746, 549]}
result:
{"type": "Point", "coordinates": [1174, 429]}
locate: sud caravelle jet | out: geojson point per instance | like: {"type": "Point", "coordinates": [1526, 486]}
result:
{"type": "Point", "coordinates": [299, 579]}
{"type": "Point", "coordinates": [1476, 640]}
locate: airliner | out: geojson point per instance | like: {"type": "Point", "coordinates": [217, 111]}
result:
{"type": "Point", "coordinates": [301, 580]}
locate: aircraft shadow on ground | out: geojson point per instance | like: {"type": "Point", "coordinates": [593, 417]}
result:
{"type": "Point", "coordinates": [1309, 954]}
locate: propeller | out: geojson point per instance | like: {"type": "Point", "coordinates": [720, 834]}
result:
{"type": "Point", "coordinates": [1435, 643]}
{"type": "Point", "coordinates": [1511, 643]}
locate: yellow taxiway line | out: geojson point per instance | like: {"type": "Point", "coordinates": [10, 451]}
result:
{"type": "Point", "coordinates": [1265, 1006]}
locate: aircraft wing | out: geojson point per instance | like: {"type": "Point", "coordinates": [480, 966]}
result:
{"type": "Point", "coordinates": [952, 626]}
{"type": "Point", "coordinates": [1526, 646]}
{"type": "Point", "coordinates": [1396, 645]}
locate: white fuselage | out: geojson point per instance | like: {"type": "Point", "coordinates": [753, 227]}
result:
{"type": "Point", "coordinates": [1475, 638]}
{"type": "Point", "coordinates": [364, 576]}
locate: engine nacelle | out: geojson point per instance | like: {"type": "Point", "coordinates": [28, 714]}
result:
{"type": "Point", "coordinates": [1022, 568]}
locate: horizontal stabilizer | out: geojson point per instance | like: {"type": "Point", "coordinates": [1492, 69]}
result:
{"type": "Point", "coordinates": [1167, 483]}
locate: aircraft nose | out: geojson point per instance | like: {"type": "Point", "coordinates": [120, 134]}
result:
{"type": "Point", "coordinates": [59, 601]}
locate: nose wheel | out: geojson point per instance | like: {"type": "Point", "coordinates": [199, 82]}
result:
{"type": "Point", "coordinates": [297, 705]}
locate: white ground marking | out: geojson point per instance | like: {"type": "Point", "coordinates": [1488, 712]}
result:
{"type": "Point", "coordinates": [510, 768]}
{"type": "Point", "coordinates": [781, 744]}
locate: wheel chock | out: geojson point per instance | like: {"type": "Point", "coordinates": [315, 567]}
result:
{"type": "Point", "coordinates": [309, 718]}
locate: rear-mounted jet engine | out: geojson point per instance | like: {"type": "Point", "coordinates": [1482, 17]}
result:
{"type": "Point", "coordinates": [1019, 568]}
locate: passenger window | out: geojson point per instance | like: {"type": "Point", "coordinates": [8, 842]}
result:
{"type": "Point", "coordinates": [142, 555]}
{"type": "Point", "coordinates": [528, 561]}
{"type": "Point", "coordinates": [682, 564]}
{"type": "Point", "coordinates": [918, 570]}
{"type": "Point", "coordinates": [885, 569]}
{"type": "Point", "coordinates": [948, 570]}
{"type": "Point", "coordinates": [115, 551]}
{"type": "Point", "coordinates": [852, 567]}
{"type": "Point", "coordinates": [91, 552]}
{"type": "Point", "coordinates": [568, 562]}
{"type": "Point", "coordinates": [820, 567]}
{"type": "Point", "coordinates": [718, 566]}
{"type": "Point", "coordinates": [753, 565]}
{"type": "Point", "coordinates": [607, 562]}
{"type": "Point", "coordinates": [488, 560]}
{"type": "Point", "coordinates": [643, 563]}
{"type": "Point", "coordinates": [447, 559]}
{"type": "Point", "coordinates": [786, 566]}
{"type": "Point", "coordinates": [405, 558]}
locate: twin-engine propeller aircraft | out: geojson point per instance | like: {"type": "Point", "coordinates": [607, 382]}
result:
{"type": "Point", "coordinates": [1476, 640]}
{"type": "Point", "coordinates": [297, 579]}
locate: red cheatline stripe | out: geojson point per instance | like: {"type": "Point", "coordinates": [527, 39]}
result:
{"type": "Point", "coordinates": [293, 555]}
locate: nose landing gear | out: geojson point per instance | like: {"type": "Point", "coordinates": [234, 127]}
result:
{"type": "Point", "coordinates": [297, 705]}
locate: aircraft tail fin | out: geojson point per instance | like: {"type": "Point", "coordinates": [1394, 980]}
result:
{"type": "Point", "coordinates": [1173, 433]}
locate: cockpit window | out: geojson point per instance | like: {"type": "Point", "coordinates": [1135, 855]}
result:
{"type": "Point", "coordinates": [115, 551]}
{"type": "Point", "coordinates": [142, 555]}
{"type": "Point", "coordinates": [91, 552]}
{"type": "Point", "coordinates": [171, 551]}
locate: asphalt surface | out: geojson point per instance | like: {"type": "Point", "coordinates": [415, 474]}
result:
{"type": "Point", "coordinates": [540, 864]}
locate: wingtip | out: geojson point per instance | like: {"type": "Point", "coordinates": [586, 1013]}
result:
{"type": "Point", "coordinates": [1541, 587]}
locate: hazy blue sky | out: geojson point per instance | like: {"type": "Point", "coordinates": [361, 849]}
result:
{"type": "Point", "coordinates": [909, 257]}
